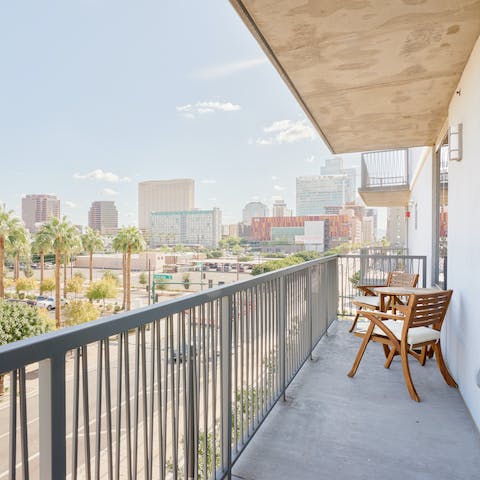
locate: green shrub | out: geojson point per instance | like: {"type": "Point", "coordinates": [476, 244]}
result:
{"type": "Point", "coordinates": [80, 311]}
{"type": "Point", "coordinates": [111, 277]}
{"type": "Point", "coordinates": [48, 285]}
{"type": "Point", "coordinates": [19, 321]}
{"type": "Point", "coordinates": [143, 278]}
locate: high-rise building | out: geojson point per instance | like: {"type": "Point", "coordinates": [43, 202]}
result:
{"type": "Point", "coordinates": [397, 227]}
{"type": "Point", "coordinates": [252, 210]}
{"type": "Point", "coordinates": [164, 196]}
{"type": "Point", "coordinates": [38, 209]}
{"type": "Point", "coordinates": [103, 216]}
{"type": "Point", "coordinates": [334, 166]}
{"type": "Point", "coordinates": [192, 227]}
{"type": "Point", "coordinates": [314, 193]}
{"type": "Point", "coordinates": [279, 209]}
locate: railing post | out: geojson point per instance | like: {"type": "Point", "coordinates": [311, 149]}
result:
{"type": "Point", "coordinates": [191, 435]}
{"type": "Point", "coordinates": [310, 310]}
{"type": "Point", "coordinates": [282, 321]}
{"type": "Point", "coordinates": [226, 383]}
{"type": "Point", "coordinates": [52, 418]}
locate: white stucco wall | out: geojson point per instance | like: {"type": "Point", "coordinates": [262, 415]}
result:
{"type": "Point", "coordinates": [462, 335]}
{"type": "Point", "coordinates": [420, 222]}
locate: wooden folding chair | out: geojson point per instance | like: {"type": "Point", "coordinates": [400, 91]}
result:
{"type": "Point", "coordinates": [370, 299]}
{"type": "Point", "coordinates": [417, 326]}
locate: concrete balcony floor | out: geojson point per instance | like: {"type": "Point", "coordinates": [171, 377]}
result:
{"type": "Point", "coordinates": [335, 427]}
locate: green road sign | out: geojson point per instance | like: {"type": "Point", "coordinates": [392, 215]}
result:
{"type": "Point", "coordinates": [162, 276]}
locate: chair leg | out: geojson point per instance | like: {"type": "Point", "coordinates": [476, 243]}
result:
{"type": "Point", "coordinates": [354, 324]}
{"type": "Point", "coordinates": [392, 354]}
{"type": "Point", "coordinates": [361, 350]}
{"type": "Point", "coordinates": [406, 372]}
{"type": "Point", "coordinates": [386, 350]}
{"type": "Point", "coordinates": [442, 366]}
{"type": "Point", "coordinates": [423, 356]}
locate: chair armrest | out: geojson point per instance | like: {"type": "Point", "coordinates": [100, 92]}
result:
{"type": "Point", "coordinates": [368, 289]}
{"type": "Point", "coordinates": [380, 315]}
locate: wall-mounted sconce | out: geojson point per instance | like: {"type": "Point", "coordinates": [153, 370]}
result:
{"type": "Point", "coordinates": [455, 142]}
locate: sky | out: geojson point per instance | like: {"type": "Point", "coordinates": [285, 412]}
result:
{"type": "Point", "coordinates": [98, 95]}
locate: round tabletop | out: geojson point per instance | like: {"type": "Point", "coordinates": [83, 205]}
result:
{"type": "Point", "coordinates": [405, 291]}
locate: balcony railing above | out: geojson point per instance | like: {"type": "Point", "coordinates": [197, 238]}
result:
{"type": "Point", "coordinates": [385, 178]}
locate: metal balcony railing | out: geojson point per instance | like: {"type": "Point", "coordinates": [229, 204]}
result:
{"type": "Point", "coordinates": [385, 169]}
{"type": "Point", "coordinates": [175, 390]}
{"type": "Point", "coordinates": [373, 270]}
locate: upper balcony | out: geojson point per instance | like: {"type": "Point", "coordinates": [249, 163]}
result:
{"type": "Point", "coordinates": [385, 179]}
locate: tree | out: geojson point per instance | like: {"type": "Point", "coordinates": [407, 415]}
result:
{"type": "Point", "coordinates": [101, 290]}
{"type": "Point", "coordinates": [42, 244]}
{"type": "Point", "coordinates": [75, 285]}
{"type": "Point", "coordinates": [92, 242]}
{"type": "Point", "coordinates": [80, 311]}
{"type": "Point", "coordinates": [23, 285]}
{"type": "Point", "coordinates": [17, 244]}
{"type": "Point", "coordinates": [128, 240]}
{"type": "Point", "coordinates": [48, 285]}
{"type": "Point", "coordinates": [72, 244]}
{"type": "Point", "coordinates": [19, 321]}
{"type": "Point", "coordinates": [59, 231]}
{"type": "Point", "coordinates": [111, 277]}
{"type": "Point", "coordinates": [8, 223]}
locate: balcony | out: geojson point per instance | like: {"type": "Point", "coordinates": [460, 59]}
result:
{"type": "Point", "coordinates": [385, 180]}
{"type": "Point", "coordinates": [179, 390]}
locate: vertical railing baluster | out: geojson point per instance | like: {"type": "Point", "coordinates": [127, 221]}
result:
{"type": "Point", "coordinates": [13, 425]}
{"type": "Point", "coordinates": [226, 384]}
{"type": "Point", "coordinates": [52, 418]}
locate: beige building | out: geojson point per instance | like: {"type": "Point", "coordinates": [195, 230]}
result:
{"type": "Point", "coordinates": [103, 216]}
{"type": "Point", "coordinates": [164, 196]}
{"type": "Point", "coordinates": [37, 209]}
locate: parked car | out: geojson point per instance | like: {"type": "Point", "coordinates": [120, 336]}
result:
{"type": "Point", "coordinates": [49, 303]}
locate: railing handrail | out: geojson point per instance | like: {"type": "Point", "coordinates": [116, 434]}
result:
{"type": "Point", "coordinates": [49, 345]}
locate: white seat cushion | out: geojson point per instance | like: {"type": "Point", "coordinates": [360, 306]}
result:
{"type": "Point", "coordinates": [416, 335]}
{"type": "Point", "coordinates": [374, 302]}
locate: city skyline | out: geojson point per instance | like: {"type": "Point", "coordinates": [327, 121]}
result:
{"type": "Point", "coordinates": [221, 115]}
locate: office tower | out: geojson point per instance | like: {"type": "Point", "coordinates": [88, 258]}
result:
{"type": "Point", "coordinates": [279, 209]}
{"type": "Point", "coordinates": [164, 196]}
{"type": "Point", "coordinates": [397, 227]}
{"type": "Point", "coordinates": [252, 210]}
{"type": "Point", "coordinates": [191, 227]}
{"type": "Point", "coordinates": [38, 209]}
{"type": "Point", "coordinates": [314, 193]}
{"type": "Point", "coordinates": [334, 166]}
{"type": "Point", "coordinates": [103, 216]}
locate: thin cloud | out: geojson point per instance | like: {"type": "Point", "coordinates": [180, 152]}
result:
{"type": "Point", "coordinates": [278, 188]}
{"type": "Point", "coordinates": [192, 110]}
{"type": "Point", "coordinates": [287, 131]}
{"type": "Point", "coordinates": [101, 175]}
{"type": "Point", "coordinates": [110, 191]}
{"type": "Point", "coordinates": [310, 159]}
{"type": "Point", "coordinates": [208, 181]}
{"type": "Point", "coordinates": [226, 69]}
{"type": "Point", "coordinates": [70, 204]}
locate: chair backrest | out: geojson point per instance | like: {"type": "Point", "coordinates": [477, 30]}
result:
{"type": "Point", "coordinates": [428, 309]}
{"type": "Point", "coordinates": [402, 279]}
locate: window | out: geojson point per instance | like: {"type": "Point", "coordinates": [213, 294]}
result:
{"type": "Point", "coordinates": [440, 224]}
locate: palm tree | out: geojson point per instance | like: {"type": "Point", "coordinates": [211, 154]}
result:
{"type": "Point", "coordinates": [128, 240]}
{"type": "Point", "coordinates": [59, 231]}
{"type": "Point", "coordinates": [91, 242]}
{"type": "Point", "coordinates": [42, 244]}
{"type": "Point", "coordinates": [8, 223]}
{"type": "Point", "coordinates": [17, 244]}
{"type": "Point", "coordinates": [119, 244]}
{"type": "Point", "coordinates": [72, 244]}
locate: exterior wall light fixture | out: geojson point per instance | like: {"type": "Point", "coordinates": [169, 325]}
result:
{"type": "Point", "coordinates": [455, 142]}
